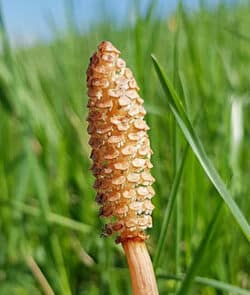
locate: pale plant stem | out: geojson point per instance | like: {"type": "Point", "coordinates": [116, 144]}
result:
{"type": "Point", "coordinates": [39, 276]}
{"type": "Point", "coordinates": [140, 267]}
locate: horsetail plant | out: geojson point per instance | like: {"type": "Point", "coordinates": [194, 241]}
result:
{"type": "Point", "coordinates": [121, 160]}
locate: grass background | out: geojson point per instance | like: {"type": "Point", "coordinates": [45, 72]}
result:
{"type": "Point", "coordinates": [48, 217]}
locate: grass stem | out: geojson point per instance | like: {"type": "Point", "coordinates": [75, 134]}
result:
{"type": "Point", "coordinates": [39, 276]}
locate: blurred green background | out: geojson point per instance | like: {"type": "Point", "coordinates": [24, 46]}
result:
{"type": "Point", "coordinates": [48, 217]}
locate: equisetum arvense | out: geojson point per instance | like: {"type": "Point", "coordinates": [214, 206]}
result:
{"type": "Point", "coordinates": [121, 159]}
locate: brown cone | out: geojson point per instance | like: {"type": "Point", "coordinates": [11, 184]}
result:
{"type": "Point", "coordinates": [120, 145]}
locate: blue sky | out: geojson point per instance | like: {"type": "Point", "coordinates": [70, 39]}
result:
{"type": "Point", "coordinates": [28, 20]}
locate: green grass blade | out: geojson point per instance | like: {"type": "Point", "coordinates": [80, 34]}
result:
{"type": "Point", "coordinates": [54, 218]}
{"type": "Point", "coordinates": [5, 42]}
{"type": "Point", "coordinates": [61, 268]}
{"type": "Point", "coordinates": [210, 283]}
{"type": "Point", "coordinates": [176, 145]}
{"type": "Point", "coordinates": [182, 119]}
{"type": "Point", "coordinates": [237, 34]}
{"type": "Point", "coordinates": [169, 210]}
{"type": "Point", "coordinates": [40, 185]}
{"type": "Point", "coordinates": [194, 267]}
{"type": "Point", "coordinates": [5, 100]}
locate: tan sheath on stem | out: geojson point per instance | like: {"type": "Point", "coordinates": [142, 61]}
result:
{"type": "Point", "coordinates": [140, 266]}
